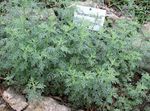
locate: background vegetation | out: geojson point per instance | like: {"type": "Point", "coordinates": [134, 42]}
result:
{"type": "Point", "coordinates": [44, 54]}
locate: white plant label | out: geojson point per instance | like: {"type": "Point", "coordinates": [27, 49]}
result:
{"type": "Point", "coordinates": [93, 17]}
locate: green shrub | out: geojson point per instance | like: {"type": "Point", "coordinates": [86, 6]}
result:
{"type": "Point", "coordinates": [41, 53]}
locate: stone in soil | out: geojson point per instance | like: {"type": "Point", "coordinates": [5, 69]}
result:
{"type": "Point", "coordinates": [15, 101]}
{"type": "Point", "coordinates": [46, 104]}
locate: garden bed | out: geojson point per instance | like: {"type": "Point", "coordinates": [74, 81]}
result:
{"type": "Point", "coordinates": [44, 53]}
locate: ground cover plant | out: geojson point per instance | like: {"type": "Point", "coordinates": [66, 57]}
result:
{"type": "Point", "coordinates": [41, 53]}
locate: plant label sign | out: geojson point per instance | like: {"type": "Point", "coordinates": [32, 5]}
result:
{"type": "Point", "coordinates": [93, 18]}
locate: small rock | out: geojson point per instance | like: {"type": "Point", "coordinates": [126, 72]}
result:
{"type": "Point", "coordinates": [16, 101]}
{"type": "Point", "coordinates": [46, 104]}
